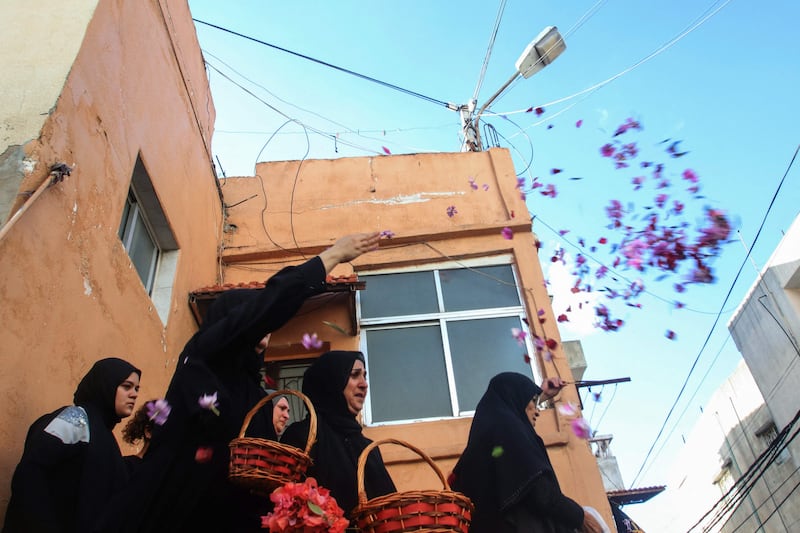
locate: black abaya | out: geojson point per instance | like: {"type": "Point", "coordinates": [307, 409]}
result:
{"type": "Point", "coordinates": [339, 437]}
{"type": "Point", "coordinates": [505, 469]}
{"type": "Point", "coordinates": [173, 491]}
{"type": "Point", "coordinates": [71, 464]}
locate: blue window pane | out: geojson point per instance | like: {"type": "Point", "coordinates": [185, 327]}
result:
{"type": "Point", "coordinates": [479, 288]}
{"type": "Point", "coordinates": [407, 376]}
{"type": "Point", "coordinates": [480, 350]}
{"type": "Point", "coordinates": [411, 293]}
{"type": "Point", "coordinates": [143, 253]}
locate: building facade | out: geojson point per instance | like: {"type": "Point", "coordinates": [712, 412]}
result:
{"type": "Point", "coordinates": [97, 257]}
{"type": "Point", "coordinates": [115, 223]}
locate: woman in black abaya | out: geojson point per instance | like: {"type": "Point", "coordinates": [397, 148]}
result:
{"type": "Point", "coordinates": [71, 464]}
{"type": "Point", "coordinates": [505, 469]}
{"type": "Point", "coordinates": [182, 483]}
{"type": "Point", "coordinates": [336, 384]}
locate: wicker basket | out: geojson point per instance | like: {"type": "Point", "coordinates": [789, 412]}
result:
{"type": "Point", "coordinates": [433, 511]}
{"type": "Point", "coordinates": [263, 464]}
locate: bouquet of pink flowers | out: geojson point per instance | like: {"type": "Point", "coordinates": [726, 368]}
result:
{"type": "Point", "coordinates": [304, 508]}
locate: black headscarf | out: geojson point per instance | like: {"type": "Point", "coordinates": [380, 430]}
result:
{"type": "Point", "coordinates": [504, 455]}
{"type": "Point", "coordinates": [171, 490]}
{"type": "Point", "coordinates": [98, 388]}
{"type": "Point", "coordinates": [62, 485]}
{"type": "Point", "coordinates": [339, 437]}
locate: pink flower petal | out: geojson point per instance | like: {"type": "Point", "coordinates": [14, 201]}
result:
{"type": "Point", "coordinates": [581, 428]}
{"type": "Point", "coordinates": [567, 409]}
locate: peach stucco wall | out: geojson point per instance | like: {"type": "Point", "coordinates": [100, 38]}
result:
{"type": "Point", "coordinates": [68, 290]}
{"type": "Point", "coordinates": [309, 204]}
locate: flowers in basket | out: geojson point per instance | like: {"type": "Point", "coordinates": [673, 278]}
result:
{"type": "Point", "coordinates": [304, 508]}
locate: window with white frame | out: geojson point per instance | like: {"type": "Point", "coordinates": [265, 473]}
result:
{"type": "Point", "coordinates": [434, 338]}
{"type": "Point", "coordinates": [147, 237]}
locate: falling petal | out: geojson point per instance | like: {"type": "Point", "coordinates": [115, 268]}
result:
{"type": "Point", "coordinates": [451, 211]}
{"type": "Point", "coordinates": [527, 359]}
{"type": "Point", "coordinates": [507, 233]}
{"type": "Point", "coordinates": [579, 124]}
{"type": "Point", "coordinates": [539, 111]}
{"type": "Point", "coordinates": [386, 234]}
{"type": "Point", "coordinates": [335, 327]}
{"type": "Point", "coordinates": [311, 342]}
{"type": "Point", "coordinates": [209, 401]}
{"type": "Point", "coordinates": [556, 171]}
{"type": "Point", "coordinates": [567, 409]}
{"type": "Point", "coordinates": [563, 318]}
{"type": "Point", "coordinates": [670, 335]}
{"type": "Point", "coordinates": [158, 411]}
{"type": "Point", "coordinates": [386, 150]}
{"type": "Point", "coordinates": [203, 454]}
{"type": "Point", "coordinates": [485, 187]}
{"type": "Point", "coordinates": [519, 335]}
{"type": "Point", "coordinates": [581, 428]}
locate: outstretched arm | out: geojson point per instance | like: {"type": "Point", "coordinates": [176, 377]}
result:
{"type": "Point", "coordinates": [348, 248]}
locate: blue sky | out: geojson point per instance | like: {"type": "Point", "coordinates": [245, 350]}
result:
{"type": "Point", "coordinates": [723, 80]}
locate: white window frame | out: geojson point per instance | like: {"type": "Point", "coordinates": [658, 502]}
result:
{"type": "Point", "coordinates": [441, 319]}
{"type": "Point", "coordinates": [133, 214]}
{"type": "Point", "coordinates": [142, 203]}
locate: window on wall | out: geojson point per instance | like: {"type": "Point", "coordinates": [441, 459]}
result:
{"type": "Point", "coordinates": [724, 480]}
{"type": "Point", "coordinates": [138, 242]}
{"type": "Point", "coordinates": [434, 338]}
{"type": "Point", "coordinates": [148, 239]}
{"type": "Point", "coordinates": [767, 435]}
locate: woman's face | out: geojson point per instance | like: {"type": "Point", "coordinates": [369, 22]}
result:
{"type": "Point", "coordinates": [355, 392]}
{"type": "Point", "coordinates": [532, 410]}
{"type": "Point", "coordinates": [127, 392]}
{"type": "Point", "coordinates": [280, 415]}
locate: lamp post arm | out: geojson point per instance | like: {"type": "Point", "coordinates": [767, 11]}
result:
{"type": "Point", "coordinates": [487, 104]}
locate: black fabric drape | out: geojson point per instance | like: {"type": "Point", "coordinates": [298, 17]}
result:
{"type": "Point", "coordinates": [171, 490]}
{"type": "Point", "coordinates": [61, 486]}
{"type": "Point", "coordinates": [339, 437]}
{"type": "Point", "coordinates": [505, 469]}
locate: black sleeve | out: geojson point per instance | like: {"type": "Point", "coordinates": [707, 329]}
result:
{"type": "Point", "coordinates": [47, 471]}
{"type": "Point", "coordinates": [267, 310]}
{"type": "Point", "coordinates": [545, 499]}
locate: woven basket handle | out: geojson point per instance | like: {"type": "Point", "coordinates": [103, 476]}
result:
{"type": "Point", "coordinates": [362, 463]}
{"type": "Point", "coordinates": [312, 427]}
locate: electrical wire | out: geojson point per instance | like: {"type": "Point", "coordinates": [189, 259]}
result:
{"type": "Point", "coordinates": [742, 486]}
{"type": "Point", "coordinates": [716, 320]}
{"type": "Point", "coordinates": [284, 115]}
{"type": "Point", "coordinates": [608, 404]}
{"type": "Point", "coordinates": [664, 47]}
{"type": "Point", "coordinates": [326, 64]}
{"type": "Point", "coordinates": [688, 404]}
{"type": "Point", "coordinates": [617, 273]}
{"type": "Point", "coordinates": [489, 48]}
{"type": "Point", "coordinates": [332, 135]}
{"type": "Point", "coordinates": [592, 11]}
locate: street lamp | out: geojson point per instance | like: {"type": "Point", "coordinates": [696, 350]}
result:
{"type": "Point", "coordinates": [542, 51]}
